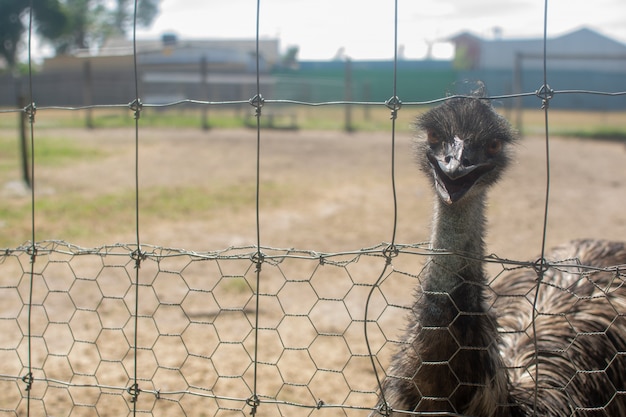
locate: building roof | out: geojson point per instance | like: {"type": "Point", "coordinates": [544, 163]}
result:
{"type": "Point", "coordinates": [226, 55]}
{"type": "Point", "coordinates": [582, 49]}
{"type": "Point", "coordinates": [170, 45]}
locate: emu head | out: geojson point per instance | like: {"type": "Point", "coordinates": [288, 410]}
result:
{"type": "Point", "coordinates": [464, 147]}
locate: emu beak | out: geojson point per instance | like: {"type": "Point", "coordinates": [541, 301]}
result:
{"type": "Point", "coordinates": [454, 176]}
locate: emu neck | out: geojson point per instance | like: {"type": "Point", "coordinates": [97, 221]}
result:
{"type": "Point", "coordinates": [455, 344]}
{"type": "Point", "coordinates": [458, 231]}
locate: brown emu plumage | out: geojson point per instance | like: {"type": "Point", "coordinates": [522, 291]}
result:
{"type": "Point", "coordinates": [471, 346]}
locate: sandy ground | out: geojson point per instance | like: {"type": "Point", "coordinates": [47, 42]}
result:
{"type": "Point", "coordinates": [326, 192]}
{"type": "Point", "coordinates": [331, 191]}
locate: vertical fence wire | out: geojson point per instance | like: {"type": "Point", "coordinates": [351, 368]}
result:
{"type": "Point", "coordinates": [253, 402]}
{"type": "Point", "coordinates": [30, 112]}
{"type": "Point", "coordinates": [394, 104]}
{"type": "Point", "coordinates": [134, 389]}
{"type": "Point", "coordinates": [544, 94]}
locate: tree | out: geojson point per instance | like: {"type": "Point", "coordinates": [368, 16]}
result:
{"type": "Point", "coordinates": [93, 21]}
{"type": "Point", "coordinates": [70, 24]}
{"type": "Point", "coordinates": [290, 59]}
{"type": "Point", "coordinates": [147, 10]}
{"type": "Point", "coordinates": [48, 15]}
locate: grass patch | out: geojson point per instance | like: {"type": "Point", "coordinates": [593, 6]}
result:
{"type": "Point", "coordinates": [600, 124]}
{"type": "Point", "coordinates": [182, 203]}
{"type": "Point", "coordinates": [171, 119]}
{"type": "Point", "coordinates": [362, 118]}
{"type": "Point", "coordinates": [600, 133]}
{"type": "Point", "coordinates": [54, 151]}
{"type": "Point", "coordinates": [236, 284]}
{"type": "Point", "coordinates": [49, 151]}
{"type": "Point", "coordinates": [73, 216]}
{"type": "Point", "coordinates": [124, 117]}
{"type": "Point", "coordinates": [591, 125]}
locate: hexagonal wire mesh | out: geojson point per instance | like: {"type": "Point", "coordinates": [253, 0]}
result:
{"type": "Point", "coordinates": [198, 325]}
{"type": "Point", "coordinates": [196, 318]}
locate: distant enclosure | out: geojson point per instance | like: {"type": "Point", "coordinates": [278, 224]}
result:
{"type": "Point", "coordinates": [312, 81]}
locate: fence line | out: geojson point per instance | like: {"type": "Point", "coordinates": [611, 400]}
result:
{"type": "Point", "coordinates": [138, 257]}
{"type": "Point", "coordinates": [100, 273]}
{"type": "Point", "coordinates": [537, 93]}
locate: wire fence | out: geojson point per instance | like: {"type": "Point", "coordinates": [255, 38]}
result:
{"type": "Point", "coordinates": [138, 329]}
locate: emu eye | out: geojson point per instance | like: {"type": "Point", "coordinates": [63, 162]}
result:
{"type": "Point", "coordinates": [494, 147]}
{"type": "Point", "coordinates": [432, 138]}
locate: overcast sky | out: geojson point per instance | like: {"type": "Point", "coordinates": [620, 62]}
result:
{"type": "Point", "coordinates": [364, 28]}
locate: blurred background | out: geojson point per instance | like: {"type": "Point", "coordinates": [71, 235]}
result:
{"type": "Point", "coordinates": [82, 51]}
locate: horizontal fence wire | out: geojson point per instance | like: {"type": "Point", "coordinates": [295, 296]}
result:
{"type": "Point", "coordinates": [537, 93]}
{"type": "Point", "coordinates": [131, 329]}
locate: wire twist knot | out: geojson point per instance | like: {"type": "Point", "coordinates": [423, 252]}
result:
{"type": "Point", "coordinates": [540, 266]}
{"type": "Point", "coordinates": [136, 106]}
{"type": "Point", "coordinates": [138, 256]}
{"type": "Point", "coordinates": [384, 409]}
{"type": "Point", "coordinates": [28, 380]}
{"type": "Point", "coordinates": [390, 252]}
{"type": "Point", "coordinates": [32, 251]}
{"type": "Point", "coordinates": [257, 102]}
{"type": "Point", "coordinates": [394, 104]}
{"type": "Point", "coordinates": [545, 93]}
{"type": "Point", "coordinates": [258, 258]}
{"type": "Point", "coordinates": [253, 402]}
{"type": "Point", "coordinates": [134, 392]}
{"type": "Point", "coordinates": [30, 111]}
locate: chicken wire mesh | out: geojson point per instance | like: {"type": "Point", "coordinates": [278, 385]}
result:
{"type": "Point", "coordinates": [198, 334]}
{"type": "Point", "coordinates": [196, 317]}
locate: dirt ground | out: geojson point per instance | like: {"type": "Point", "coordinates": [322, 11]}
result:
{"type": "Point", "coordinates": [325, 192]}
{"type": "Point", "coordinates": [331, 191]}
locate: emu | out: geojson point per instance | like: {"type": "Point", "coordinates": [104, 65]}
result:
{"type": "Point", "coordinates": [474, 347]}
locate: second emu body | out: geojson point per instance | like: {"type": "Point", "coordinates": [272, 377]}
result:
{"type": "Point", "coordinates": [470, 346]}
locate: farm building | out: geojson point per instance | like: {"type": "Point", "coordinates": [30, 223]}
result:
{"type": "Point", "coordinates": [579, 60]}
{"type": "Point", "coordinates": [172, 69]}
{"type": "Point", "coordinates": [169, 70]}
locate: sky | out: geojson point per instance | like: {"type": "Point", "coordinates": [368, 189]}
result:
{"type": "Point", "coordinates": [364, 29]}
